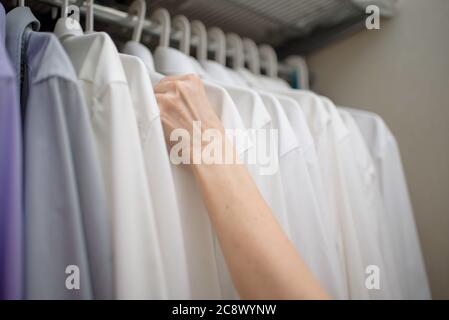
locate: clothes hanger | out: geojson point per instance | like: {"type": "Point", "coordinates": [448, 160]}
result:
{"type": "Point", "coordinates": [21, 3]}
{"type": "Point", "coordinates": [162, 17]}
{"type": "Point", "coordinates": [134, 47]}
{"type": "Point", "coordinates": [68, 25]}
{"type": "Point", "coordinates": [235, 46]}
{"type": "Point", "coordinates": [217, 39]}
{"type": "Point", "coordinates": [89, 16]}
{"type": "Point", "coordinates": [182, 24]}
{"type": "Point", "coordinates": [198, 29]}
{"type": "Point", "coordinates": [139, 9]}
{"type": "Point", "coordinates": [251, 55]}
{"type": "Point", "coordinates": [269, 59]}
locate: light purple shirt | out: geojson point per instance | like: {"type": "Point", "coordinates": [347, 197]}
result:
{"type": "Point", "coordinates": [11, 236]}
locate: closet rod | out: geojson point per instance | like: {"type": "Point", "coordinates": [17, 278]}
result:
{"type": "Point", "coordinates": [122, 18]}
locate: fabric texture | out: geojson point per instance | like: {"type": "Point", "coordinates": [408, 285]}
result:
{"type": "Point", "coordinates": [11, 209]}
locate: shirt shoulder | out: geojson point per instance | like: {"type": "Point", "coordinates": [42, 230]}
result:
{"type": "Point", "coordinates": [287, 140]}
{"type": "Point", "coordinates": [47, 59]}
{"type": "Point", "coordinates": [339, 127]}
{"type": "Point", "coordinates": [297, 120]}
{"type": "Point", "coordinates": [95, 59]}
{"type": "Point", "coordinates": [250, 106]}
{"type": "Point", "coordinates": [374, 130]}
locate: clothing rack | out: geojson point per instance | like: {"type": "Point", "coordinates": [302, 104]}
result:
{"type": "Point", "coordinates": [121, 18]}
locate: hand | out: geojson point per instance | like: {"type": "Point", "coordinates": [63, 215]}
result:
{"type": "Point", "coordinates": [182, 100]}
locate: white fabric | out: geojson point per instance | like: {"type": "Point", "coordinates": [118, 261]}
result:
{"type": "Point", "coordinates": [298, 167]}
{"type": "Point", "coordinates": [309, 206]}
{"type": "Point", "coordinates": [370, 221]}
{"type": "Point", "coordinates": [255, 115]}
{"type": "Point", "coordinates": [160, 178]}
{"type": "Point", "coordinates": [262, 81]}
{"type": "Point", "coordinates": [329, 133]}
{"type": "Point", "coordinates": [138, 273]}
{"type": "Point", "coordinates": [208, 271]}
{"type": "Point", "coordinates": [399, 218]}
{"type": "Point", "coordinates": [137, 49]}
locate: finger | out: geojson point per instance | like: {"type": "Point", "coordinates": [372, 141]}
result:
{"type": "Point", "coordinates": [165, 87]}
{"type": "Point", "coordinates": [183, 77]}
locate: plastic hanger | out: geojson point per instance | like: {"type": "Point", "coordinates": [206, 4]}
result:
{"type": "Point", "coordinates": [68, 25]}
{"type": "Point", "coordinates": [138, 8]}
{"type": "Point", "coordinates": [217, 39]}
{"type": "Point", "coordinates": [89, 15]}
{"type": "Point", "coordinates": [235, 45]}
{"type": "Point", "coordinates": [269, 58]}
{"type": "Point", "coordinates": [162, 17]}
{"type": "Point", "coordinates": [198, 29]}
{"type": "Point", "coordinates": [134, 47]}
{"type": "Point", "coordinates": [251, 54]}
{"type": "Point", "coordinates": [182, 24]}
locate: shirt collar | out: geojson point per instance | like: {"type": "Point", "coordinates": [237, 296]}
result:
{"type": "Point", "coordinates": [18, 21]}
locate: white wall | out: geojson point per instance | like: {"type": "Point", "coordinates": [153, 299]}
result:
{"type": "Point", "coordinates": [402, 73]}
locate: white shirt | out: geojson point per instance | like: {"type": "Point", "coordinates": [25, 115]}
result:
{"type": "Point", "coordinates": [137, 49]}
{"type": "Point", "coordinates": [255, 115]}
{"type": "Point", "coordinates": [159, 178]}
{"type": "Point", "coordinates": [330, 135]}
{"type": "Point", "coordinates": [370, 214]}
{"type": "Point", "coordinates": [399, 214]}
{"type": "Point", "coordinates": [138, 273]}
{"type": "Point", "coordinates": [207, 269]}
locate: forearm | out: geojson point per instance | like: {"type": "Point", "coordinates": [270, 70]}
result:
{"type": "Point", "coordinates": [262, 261]}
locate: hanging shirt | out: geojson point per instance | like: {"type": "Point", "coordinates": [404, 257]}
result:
{"type": "Point", "coordinates": [330, 138]}
{"type": "Point", "coordinates": [207, 269]}
{"type": "Point", "coordinates": [11, 211]}
{"type": "Point", "coordinates": [138, 271]}
{"type": "Point", "coordinates": [309, 210]}
{"type": "Point", "coordinates": [378, 238]}
{"type": "Point", "coordinates": [303, 215]}
{"type": "Point", "coordinates": [65, 209]}
{"type": "Point", "coordinates": [257, 120]}
{"type": "Point", "coordinates": [160, 178]}
{"type": "Point", "coordinates": [307, 207]}
{"type": "Point", "coordinates": [399, 219]}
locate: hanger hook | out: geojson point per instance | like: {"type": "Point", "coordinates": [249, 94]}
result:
{"type": "Point", "coordinates": [217, 38]}
{"type": "Point", "coordinates": [268, 55]}
{"type": "Point", "coordinates": [89, 15]}
{"type": "Point", "coordinates": [252, 54]}
{"type": "Point", "coordinates": [138, 8]}
{"type": "Point", "coordinates": [21, 3]}
{"type": "Point", "coordinates": [64, 8]}
{"type": "Point", "coordinates": [198, 29]}
{"type": "Point", "coordinates": [235, 45]}
{"type": "Point", "coordinates": [162, 17]}
{"type": "Point", "coordinates": [181, 23]}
